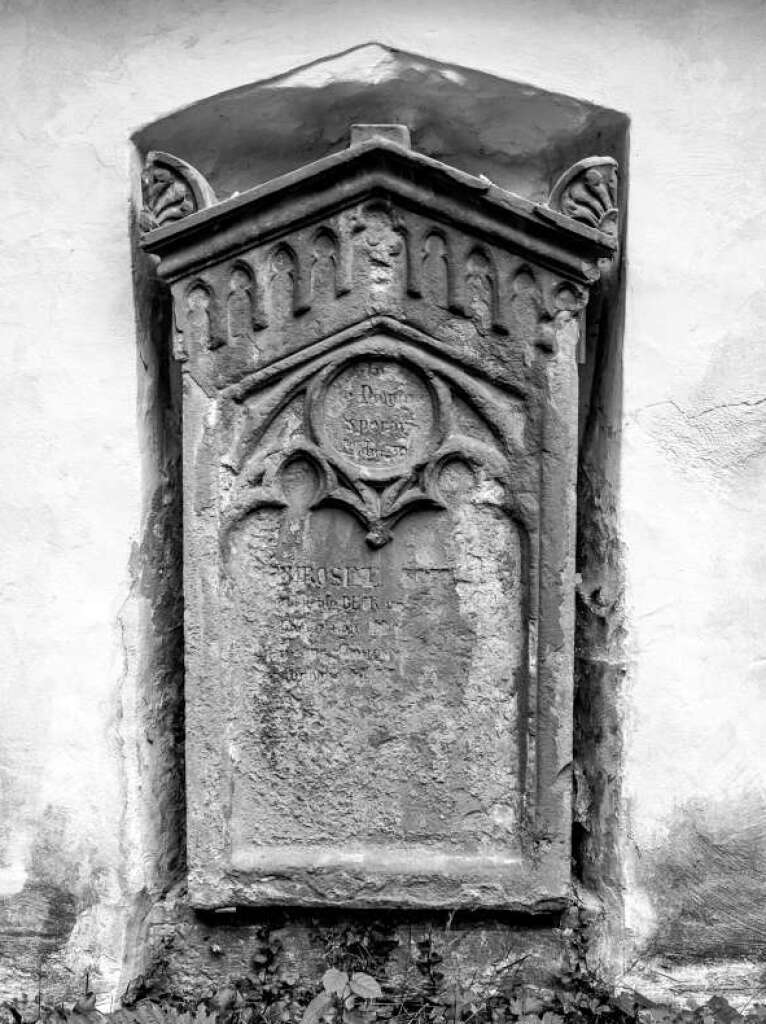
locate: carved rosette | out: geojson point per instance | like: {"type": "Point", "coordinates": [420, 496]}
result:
{"type": "Point", "coordinates": [171, 189]}
{"type": "Point", "coordinates": [587, 193]}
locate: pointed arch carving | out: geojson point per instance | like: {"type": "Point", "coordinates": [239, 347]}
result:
{"type": "Point", "coordinates": [198, 320]}
{"type": "Point", "coordinates": [288, 287]}
{"type": "Point", "coordinates": [436, 268]}
{"type": "Point", "coordinates": [244, 305]}
{"type": "Point", "coordinates": [482, 291]}
{"type": "Point", "coordinates": [326, 277]}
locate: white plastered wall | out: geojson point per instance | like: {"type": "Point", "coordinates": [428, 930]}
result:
{"type": "Point", "coordinates": [79, 77]}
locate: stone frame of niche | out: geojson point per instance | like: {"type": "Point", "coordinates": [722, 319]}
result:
{"type": "Point", "coordinates": [173, 190]}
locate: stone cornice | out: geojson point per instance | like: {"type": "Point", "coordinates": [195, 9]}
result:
{"type": "Point", "coordinates": [378, 166]}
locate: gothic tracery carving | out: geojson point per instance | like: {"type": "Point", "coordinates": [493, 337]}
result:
{"type": "Point", "coordinates": [380, 433]}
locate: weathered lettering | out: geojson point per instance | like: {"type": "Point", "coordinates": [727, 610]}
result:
{"type": "Point", "coordinates": [378, 415]}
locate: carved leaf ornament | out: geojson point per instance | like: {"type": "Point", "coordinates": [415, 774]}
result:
{"type": "Point", "coordinates": [587, 192]}
{"type": "Point", "coordinates": [171, 190]}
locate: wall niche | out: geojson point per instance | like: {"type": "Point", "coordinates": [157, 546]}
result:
{"type": "Point", "coordinates": [380, 362]}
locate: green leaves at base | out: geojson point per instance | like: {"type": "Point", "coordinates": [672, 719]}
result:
{"type": "Point", "coordinates": [344, 996]}
{"type": "Point", "coordinates": [334, 982]}
{"type": "Point", "coordinates": [364, 986]}
{"type": "Point", "coordinates": [317, 1008]}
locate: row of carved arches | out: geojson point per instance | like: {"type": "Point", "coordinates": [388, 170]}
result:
{"type": "Point", "coordinates": [289, 283]}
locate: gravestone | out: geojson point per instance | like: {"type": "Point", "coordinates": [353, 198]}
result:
{"type": "Point", "coordinates": [380, 450]}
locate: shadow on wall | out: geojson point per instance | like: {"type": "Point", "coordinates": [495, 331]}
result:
{"type": "Point", "coordinates": [63, 880]}
{"type": "Point", "coordinates": [707, 882]}
{"type": "Point", "coordinates": [519, 136]}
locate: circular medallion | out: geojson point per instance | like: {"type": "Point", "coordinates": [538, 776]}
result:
{"type": "Point", "coordinates": [378, 415]}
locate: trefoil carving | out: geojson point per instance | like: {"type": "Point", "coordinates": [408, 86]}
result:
{"type": "Point", "coordinates": [380, 433]}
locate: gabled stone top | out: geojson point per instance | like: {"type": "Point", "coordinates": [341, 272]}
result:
{"type": "Point", "coordinates": [189, 229]}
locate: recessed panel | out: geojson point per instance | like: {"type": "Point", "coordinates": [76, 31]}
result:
{"type": "Point", "coordinates": [377, 691]}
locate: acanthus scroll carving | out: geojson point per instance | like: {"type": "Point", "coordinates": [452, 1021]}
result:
{"type": "Point", "coordinates": [587, 192]}
{"type": "Point", "coordinates": [171, 190]}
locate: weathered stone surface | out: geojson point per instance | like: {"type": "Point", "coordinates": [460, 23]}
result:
{"type": "Point", "coordinates": [380, 436]}
{"type": "Point", "coordinates": [277, 956]}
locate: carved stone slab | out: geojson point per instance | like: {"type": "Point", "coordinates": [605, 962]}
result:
{"type": "Point", "coordinates": [380, 423]}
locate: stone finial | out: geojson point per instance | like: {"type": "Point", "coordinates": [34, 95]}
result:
{"type": "Point", "coordinates": [587, 192]}
{"type": "Point", "coordinates": [171, 189]}
{"type": "Point", "coordinates": [398, 133]}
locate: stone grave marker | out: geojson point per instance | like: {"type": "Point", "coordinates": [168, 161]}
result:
{"type": "Point", "coordinates": [380, 451]}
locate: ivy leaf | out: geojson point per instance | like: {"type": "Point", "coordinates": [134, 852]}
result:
{"type": "Point", "coordinates": [334, 982]}
{"type": "Point", "coordinates": [318, 1006]}
{"type": "Point", "coordinates": [364, 986]}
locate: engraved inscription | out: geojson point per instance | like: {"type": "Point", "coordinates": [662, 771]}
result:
{"type": "Point", "coordinates": [355, 720]}
{"type": "Point", "coordinates": [379, 415]}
